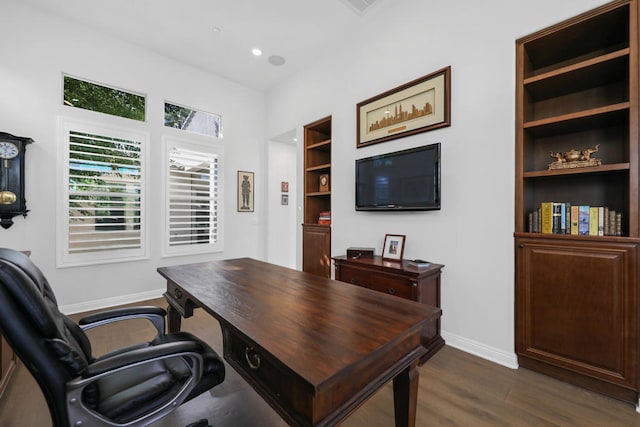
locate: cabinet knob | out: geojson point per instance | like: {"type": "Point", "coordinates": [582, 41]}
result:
{"type": "Point", "coordinates": [392, 291]}
{"type": "Point", "coordinates": [352, 281]}
{"type": "Point", "coordinates": [177, 293]}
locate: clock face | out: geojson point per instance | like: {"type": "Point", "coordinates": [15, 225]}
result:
{"type": "Point", "coordinates": [323, 180]}
{"type": "Point", "coordinates": [8, 150]}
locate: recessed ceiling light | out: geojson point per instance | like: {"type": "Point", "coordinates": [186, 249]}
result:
{"type": "Point", "coordinates": [276, 60]}
{"type": "Point", "coordinates": [256, 51]}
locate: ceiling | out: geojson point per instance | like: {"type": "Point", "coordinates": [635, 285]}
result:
{"type": "Point", "coordinates": [218, 35]}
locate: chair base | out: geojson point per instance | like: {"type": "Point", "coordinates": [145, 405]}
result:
{"type": "Point", "coordinates": [200, 423]}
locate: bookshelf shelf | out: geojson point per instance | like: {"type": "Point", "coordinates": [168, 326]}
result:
{"type": "Point", "coordinates": [577, 88]}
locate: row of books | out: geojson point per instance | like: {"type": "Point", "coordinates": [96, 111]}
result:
{"type": "Point", "coordinates": [564, 218]}
{"type": "Point", "coordinates": [324, 217]}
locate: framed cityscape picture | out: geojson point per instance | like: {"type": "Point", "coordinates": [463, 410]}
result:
{"type": "Point", "coordinates": [418, 106]}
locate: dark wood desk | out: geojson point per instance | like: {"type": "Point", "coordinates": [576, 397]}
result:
{"type": "Point", "coordinates": [312, 347]}
{"type": "Point", "coordinates": [400, 279]}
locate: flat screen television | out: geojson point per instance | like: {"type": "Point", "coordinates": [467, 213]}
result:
{"type": "Point", "coordinates": [402, 180]}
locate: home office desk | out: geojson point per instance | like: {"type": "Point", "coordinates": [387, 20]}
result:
{"type": "Point", "coordinates": [313, 348]}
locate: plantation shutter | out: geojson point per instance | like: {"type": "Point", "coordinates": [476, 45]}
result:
{"type": "Point", "coordinates": [104, 193]}
{"type": "Point", "coordinates": [193, 197]}
{"type": "Point", "coordinates": [101, 208]}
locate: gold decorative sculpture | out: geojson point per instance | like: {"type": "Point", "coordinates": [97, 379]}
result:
{"type": "Point", "coordinates": [574, 159]}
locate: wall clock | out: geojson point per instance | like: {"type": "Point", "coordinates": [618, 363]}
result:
{"type": "Point", "coordinates": [12, 200]}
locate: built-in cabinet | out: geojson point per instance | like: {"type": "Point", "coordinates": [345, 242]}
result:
{"type": "Point", "coordinates": [577, 295]}
{"type": "Point", "coordinates": [316, 229]}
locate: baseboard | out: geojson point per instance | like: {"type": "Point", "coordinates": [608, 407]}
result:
{"type": "Point", "coordinates": [479, 349]}
{"type": "Point", "coordinates": [110, 302]}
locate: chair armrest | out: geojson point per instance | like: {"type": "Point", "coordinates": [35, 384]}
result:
{"type": "Point", "coordinates": [155, 315]}
{"type": "Point", "coordinates": [130, 360]}
{"type": "Point", "coordinates": [141, 355]}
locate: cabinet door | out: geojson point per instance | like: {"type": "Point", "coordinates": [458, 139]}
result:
{"type": "Point", "coordinates": [576, 307]}
{"type": "Point", "coordinates": [316, 250]}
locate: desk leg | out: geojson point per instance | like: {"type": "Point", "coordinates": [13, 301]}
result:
{"type": "Point", "coordinates": [405, 396]}
{"type": "Point", "coordinates": [174, 319]}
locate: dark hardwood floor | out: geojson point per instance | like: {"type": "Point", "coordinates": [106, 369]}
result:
{"type": "Point", "coordinates": [456, 389]}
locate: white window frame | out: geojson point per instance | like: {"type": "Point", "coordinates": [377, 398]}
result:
{"type": "Point", "coordinates": [193, 144]}
{"type": "Point", "coordinates": [66, 259]}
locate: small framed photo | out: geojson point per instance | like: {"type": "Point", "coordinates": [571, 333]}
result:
{"type": "Point", "coordinates": [284, 186]}
{"type": "Point", "coordinates": [285, 199]}
{"type": "Point", "coordinates": [245, 191]}
{"type": "Point", "coordinates": [393, 247]}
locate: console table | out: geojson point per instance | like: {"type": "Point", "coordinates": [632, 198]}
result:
{"type": "Point", "coordinates": [400, 279]}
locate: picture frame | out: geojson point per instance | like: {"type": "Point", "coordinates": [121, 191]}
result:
{"type": "Point", "coordinates": [393, 248]}
{"type": "Point", "coordinates": [284, 186]}
{"type": "Point", "coordinates": [284, 199]}
{"type": "Point", "coordinates": [419, 106]}
{"type": "Point", "coordinates": [246, 190]}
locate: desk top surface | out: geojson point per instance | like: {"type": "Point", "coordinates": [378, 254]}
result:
{"type": "Point", "coordinates": [302, 319]}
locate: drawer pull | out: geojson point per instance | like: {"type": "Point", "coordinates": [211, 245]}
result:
{"type": "Point", "coordinates": [392, 291]}
{"type": "Point", "coordinates": [177, 293]}
{"type": "Point", "coordinates": [253, 358]}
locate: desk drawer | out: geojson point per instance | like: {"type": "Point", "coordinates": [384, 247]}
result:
{"type": "Point", "coordinates": [387, 283]}
{"type": "Point", "coordinates": [271, 379]}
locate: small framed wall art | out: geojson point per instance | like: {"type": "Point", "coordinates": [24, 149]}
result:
{"type": "Point", "coordinates": [245, 191]}
{"type": "Point", "coordinates": [418, 106]}
{"type": "Point", "coordinates": [393, 247]}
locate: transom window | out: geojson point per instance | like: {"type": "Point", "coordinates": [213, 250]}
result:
{"type": "Point", "coordinates": [192, 120]}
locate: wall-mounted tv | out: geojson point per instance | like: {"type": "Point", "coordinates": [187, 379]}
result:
{"type": "Point", "coordinates": [402, 180]}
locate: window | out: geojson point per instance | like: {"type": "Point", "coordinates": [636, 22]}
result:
{"type": "Point", "coordinates": [193, 197]}
{"type": "Point", "coordinates": [185, 118]}
{"type": "Point", "coordinates": [103, 99]}
{"type": "Point", "coordinates": [103, 207]}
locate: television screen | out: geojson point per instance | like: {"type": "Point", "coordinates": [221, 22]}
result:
{"type": "Point", "coordinates": [403, 180]}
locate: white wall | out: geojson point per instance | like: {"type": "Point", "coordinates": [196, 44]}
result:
{"type": "Point", "coordinates": [36, 49]}
{"type": "Point", "coordinates": [472, 233]}
{"type": "Point", "coordinates": [282, 222]}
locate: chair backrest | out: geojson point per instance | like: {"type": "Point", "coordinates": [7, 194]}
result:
{"type": "Point", "coordinates": [50, 344]}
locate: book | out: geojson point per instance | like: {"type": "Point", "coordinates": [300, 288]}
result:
{"type": "Point", "coordinates": [583, 220]}
{"type": "Point", "coordinates": [546, 218]}
{"type": "Point", "coordinates": [600, 221]}
{"type": "Point", "coordinates": [574, 219]}
{"type": "Point", "coordinates": [557, 219]}
{"type": "Point", "coordinates": [593, 221]}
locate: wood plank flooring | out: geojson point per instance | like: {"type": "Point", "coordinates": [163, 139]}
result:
{"type": "Point", "coordinates": [456, 389]}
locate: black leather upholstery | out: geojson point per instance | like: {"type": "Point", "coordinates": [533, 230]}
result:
{"type": "Point", "coordinates": [134, 385]}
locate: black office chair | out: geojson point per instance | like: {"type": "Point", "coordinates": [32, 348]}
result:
{"type": "Point", "coordinates": [132, 386]}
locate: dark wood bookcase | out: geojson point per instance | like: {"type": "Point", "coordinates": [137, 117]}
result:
{"type": "Point", "coordinates": [577, 296]}
{"type": "Point", "coordinates": [316, 236]}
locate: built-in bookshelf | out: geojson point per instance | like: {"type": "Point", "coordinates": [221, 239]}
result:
{"type": "Point", "coordinates": [577, 277]}
{"type": "Point", "coordinates": [316, 236]}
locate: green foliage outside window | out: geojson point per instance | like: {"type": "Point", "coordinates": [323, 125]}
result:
{"type": "Point", "coordinates": [91, 96]}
